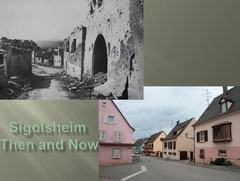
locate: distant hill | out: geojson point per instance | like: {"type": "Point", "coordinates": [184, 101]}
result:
{"type": "Point", "coordinates": [50, 43]}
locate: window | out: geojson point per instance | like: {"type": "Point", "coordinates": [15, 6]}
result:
{"type": "Point", "coordinates": [116, 153]}
{"type": "Point", "coordinates": [1, 59]}
{"type": "Point", "coordinates": [102, 135]}
{"type": "Point", "coordinates": [104, 104]}
{"type": "Point", "coordinates": [174, 154]}
{"type": "Point", "coordinates": [169, 153]}
{"type": "Point", "coordinates": [174, 145]}
{"type": "Point", "coordinates": [201, 155]}
{"type": "Point", "coordinates": [74, 45]}
{"type": "Point", "coordinates": [117, 135]}
{"type": "Point", "coordinates": [110, 119]}
{"type": "Point", "coordinates": [169, 145]}
{"type": "Point", "coordinates": [223, 107]}
{"type": "Point", "coordinates": [165, 145]}
{"type": "Point", "coordinates": [165, 153]}
{"type": "Point", "coordinates": [202, 136]}
{"type": "Point", "coordinates": [99, 118]}
{"type": "Point", "coordinates": [222, 132]}
{"type": "Point", "coordinates": [222, 152]}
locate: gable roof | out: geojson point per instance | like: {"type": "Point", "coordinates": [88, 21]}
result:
{"type": "Point", "coordinates": [153, 137]}
{"type": "Point", "coordinates": [139, 142]}
{"type": "Point", "coordinates": [123, 116]}
{"type": "Point", "coordinates": [177, 130]}
{"type": "Point", "coordinates": [213, 110]}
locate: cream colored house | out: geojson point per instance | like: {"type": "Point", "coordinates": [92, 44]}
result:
{"type": "Point", "coordinates": [179, 143]}
{"type": "Point", "coordinates": [153, 145]}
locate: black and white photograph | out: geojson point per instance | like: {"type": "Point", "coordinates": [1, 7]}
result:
{"type": "Point", "coordinates": [71, 49]}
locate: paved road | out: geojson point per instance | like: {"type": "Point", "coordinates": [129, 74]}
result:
{"type": "Point", "coordinates": [167, 171]}
{"type": "Point", "coordinates": [46, 86]}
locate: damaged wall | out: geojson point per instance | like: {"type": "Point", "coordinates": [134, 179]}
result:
{"type": "Point", "coordinates": [114, 45]}
{"type": "Point", "coordinates": [74, 52]}
{"type": "Point", "coordinates": [18, 62]}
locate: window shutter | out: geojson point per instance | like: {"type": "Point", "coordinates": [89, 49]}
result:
{"type": "Point", "coordinates": [105, 119]}
{"type": "Point", "coordinates": [99, 118]}
{"type": "Point", "coordinates": [115, 120]}
{"type": "Point", "coordinates": [206, 135]}
{"type": "Point", "coordinates": [120, 135]}
{"type": "Point", "coordinates": [198, 137]}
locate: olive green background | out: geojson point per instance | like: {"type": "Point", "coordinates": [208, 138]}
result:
{"type": "Point", "coordinates": [192, 42]}
{"type": "Point", "coordinates": [49, 166]}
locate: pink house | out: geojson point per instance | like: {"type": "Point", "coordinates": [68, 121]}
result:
{"type": "Point", "coordinates": [217, 132]}
{"type": "Point", "coordinates": [115, 135]}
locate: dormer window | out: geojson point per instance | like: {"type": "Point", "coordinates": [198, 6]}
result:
{"type": "Point", "coordinates": [224, 107]}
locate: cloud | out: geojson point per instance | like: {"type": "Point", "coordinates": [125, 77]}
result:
{"type": "Point", "coordinates": [163, 106]}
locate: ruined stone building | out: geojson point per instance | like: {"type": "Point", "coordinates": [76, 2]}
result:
{"type": "Point", "coordinates": [111, 42]}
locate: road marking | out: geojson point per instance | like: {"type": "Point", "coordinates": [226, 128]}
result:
{"type": "Point", "coordinates": [143, 169]}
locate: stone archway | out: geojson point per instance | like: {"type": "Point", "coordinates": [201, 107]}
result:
{"type": "Point", "coordinates": [100, 57]}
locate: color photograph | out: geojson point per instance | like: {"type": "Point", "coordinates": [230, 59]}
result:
{"type": "Point", "coordinates": [174, 130]}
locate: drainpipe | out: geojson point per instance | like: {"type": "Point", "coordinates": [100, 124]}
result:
{"type": "Point", "coordinates": [194, 145]}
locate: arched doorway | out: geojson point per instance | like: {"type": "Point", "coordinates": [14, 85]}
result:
{"type": "Point", "coordinates": [100, 59]}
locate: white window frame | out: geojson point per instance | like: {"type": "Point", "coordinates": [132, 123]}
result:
{"type": "Point", "coordinates": [104, 104]}
{"type": "Point", "coordinates": [222, 154]}
{"type": "Point", "coordinates": [113, 119]}
{"type": "Point", "coordinates": [202, 137]}
{"type": "Point", "coordinates": [116, 153]}
{"type": "Point", "coordinates": [102, 135]}
{"type": "Point", "coordinates": [117, 135]}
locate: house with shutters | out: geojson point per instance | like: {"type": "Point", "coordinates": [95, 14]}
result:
{"type": "Point", "coordinates": [217, 130]}
{"type": "Point", "coordinates": [153, 145]}
{"type": "Point", "coordinates": [115, 135]}
{"type": "Point", "coordinates": [179, 143]}
{"type": "Point", "coordinates": [140, 145]}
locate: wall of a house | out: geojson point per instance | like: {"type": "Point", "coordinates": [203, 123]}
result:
{"type": "Point", "coordinates": [211, 149]}
{"type": "Point", "coordinates": [121, 25]}
{"type": "Point", "coordinates": [157, 144]}
{"type": "Point", "coordinates": [105, 155]}
{"type": "Point", "coordinates": [105, 151]}
{"type": "Point", "coordinates": [18, 62]}
{"type": "Point", "coordinates": [73, 60]}
{"type": "Point", "coordinates": [122, 125]}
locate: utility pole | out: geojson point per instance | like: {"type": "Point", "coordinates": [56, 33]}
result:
{"type": "Point", "coordinates": [208, 96]}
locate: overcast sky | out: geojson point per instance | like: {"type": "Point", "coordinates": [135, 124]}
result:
{"type": "Point", "coordinates": [41, 19]}
{"type": "Point", "coordinates": [161, 105]}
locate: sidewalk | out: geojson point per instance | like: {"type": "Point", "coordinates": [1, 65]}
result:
{"type": "Point", "coordinates": [186, 162]}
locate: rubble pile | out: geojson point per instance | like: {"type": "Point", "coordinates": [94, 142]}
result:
{"type": "Point", "coordinates": [83, 89]}
{"type": "Point", "coordinates": [14, 87]}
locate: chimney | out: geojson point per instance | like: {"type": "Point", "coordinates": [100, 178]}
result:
{"type": "Point", "coordinates": [178, 122]}
{"type": "Point", "coordinates": [225, 89]}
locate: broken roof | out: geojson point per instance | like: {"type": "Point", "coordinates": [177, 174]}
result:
{"type": "Point", "coordinates": [213, 110]}
{"type": "Point", "coordinates": [153, 137]}
{"type": "Point", "coordinates": [139, 142]}
{"type": "Point", "coordinates": [177, 130]}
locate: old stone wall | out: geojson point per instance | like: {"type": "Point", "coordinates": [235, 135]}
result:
{"type": "Point", "coordinates": [74, 52]}
{"type": "Point", "coordinates": [114, 45]}
{"type": "Point", "coordinates": [18, 62]}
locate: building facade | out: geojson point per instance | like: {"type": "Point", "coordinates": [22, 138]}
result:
{"type": "Point", "coordinates": [111, 42]}
{"type": "Point", "coordinates": [140, 145]}
{"type": "Point", "coordinates": [115, 135]}
{"type": "Point", "coordinates": [153, 145]}
{"type": "Point", "coordinates": [217, 130]}
{"type": "Point", "coordinates": [57, 58]}
{"type": "Point", "coordinates": [179, 143]}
